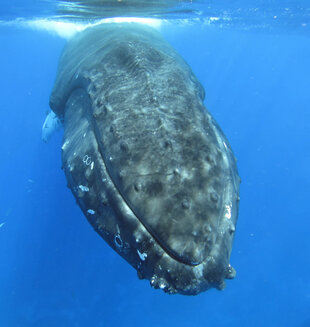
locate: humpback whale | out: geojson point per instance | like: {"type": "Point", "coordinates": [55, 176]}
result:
{"type": "Point", "coordinates": [146, 162]}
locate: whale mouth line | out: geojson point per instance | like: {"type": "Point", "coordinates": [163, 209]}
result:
{"type": "Point", "coordinates": [165, 248]}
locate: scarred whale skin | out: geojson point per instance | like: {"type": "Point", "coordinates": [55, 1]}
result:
{"type": "Point", "coordinates": [148, 165]}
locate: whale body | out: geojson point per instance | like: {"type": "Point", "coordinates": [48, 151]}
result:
{"type": "Point", "coordinates": [150, 168]}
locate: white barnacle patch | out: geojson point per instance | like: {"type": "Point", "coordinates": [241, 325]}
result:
{"type": "Point", "coordinates": [92, 165]}
{"type": "Point", "coordinates": [91, 211]}
{"type": "Point", "coordinates": [162, 285]}
{"type": "Point", "coordinates": [84, 134]}
{"type": "Point", "coordinates": [142, 256]}
{"type": "Point", "coordinates": [65, 145]}
{"type": "Point", "coordinates": [70, 167]}
{"type": "Point", "coordinates": [83, 188]}
{"type": "Point", "coordinates": [198, 270]}
{"type": "Point", "coordinates": [87, 160]}
{"type": "Point", "coordinates": [228, 211]}
{"type": "Point", "coordinates": [118, 241]}
{"type": "Point", "coordinates": [153, 280]}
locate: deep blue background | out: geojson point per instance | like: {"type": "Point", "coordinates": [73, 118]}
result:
{"type": "Point", "coordinates": [56, 271]}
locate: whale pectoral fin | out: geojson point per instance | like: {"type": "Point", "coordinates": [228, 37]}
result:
{"type": "Point", "coordinates": [51, 124]}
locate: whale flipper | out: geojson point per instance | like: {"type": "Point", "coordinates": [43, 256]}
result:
{"type": "Point", "coordinates": [51, 124]}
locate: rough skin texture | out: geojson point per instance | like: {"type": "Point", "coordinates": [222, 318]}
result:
{"type": "Point", "coordinates": [148, 165]}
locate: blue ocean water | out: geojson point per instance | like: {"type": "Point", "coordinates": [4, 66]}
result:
{"type": "Point", "coordinates": [56, 271]}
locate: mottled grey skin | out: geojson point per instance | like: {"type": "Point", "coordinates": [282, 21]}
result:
{"type": "Point", "coordinates": [148, 165]}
